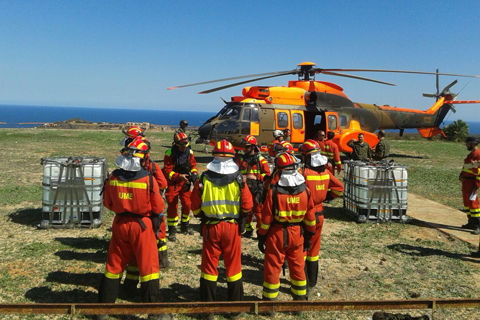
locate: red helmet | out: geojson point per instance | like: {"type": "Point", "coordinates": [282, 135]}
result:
{"type": "Point", "coordinates": [309, 146]}
{"type": "Point", "coordinates": [181, 139]}
{"type": "Point", "coordinates": [285, 160]}
{"type": "Point", "coordinates": [223, 149]}
{"type": "Point", "coordinates": [249, 140]}
{"type": "Point", "coordinates": [134, 131]}
{"type": "Point", "coordinates": [287, 147]}
{"type": "Point", "coordinates": [139, 148]}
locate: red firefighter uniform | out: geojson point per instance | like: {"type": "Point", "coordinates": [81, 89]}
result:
{"type": "Point", "coordinates": [132, 273]}
{"type": "Point", "coordinates": [471, 179]}
{"type": "Point", "coordinates": [176, 163]}
{"type": "Point", "coordinates": [258, 166]}
{"type": "Point", "coordinates": [330, 150]}
{"type": "Point", "coordinates": [271, 147]}
{"type": "Point", "coordinates": [282, 217]}
{"type": "Point", "coordinates": [134, 198]}
{"type": "Point", "coordinates": [323, 185]}
{"type": "Point", "coordinates": [220, 200]}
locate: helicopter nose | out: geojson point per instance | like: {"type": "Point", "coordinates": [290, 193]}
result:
{"type": "Point", "coordinates": [204, 130]}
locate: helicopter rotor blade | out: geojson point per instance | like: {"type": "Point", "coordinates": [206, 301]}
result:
{"type": "Point", "coordinates": [429, 95]}
{"type": "Point", "coordinates": [438, 90]}
{"type": "Point", "coordinates": [356, 77]}
{"type": "Point", "coordinates": [246, 81]}
{"type": "Point", "coordinates": [320, 70]}
{"type": "Point", "coordinates": [277, 73]}
{"type": "Point", "coordinates": [447, 88]}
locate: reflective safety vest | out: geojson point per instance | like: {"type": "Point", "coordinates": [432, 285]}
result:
{"type": "Point", "coordinates": [221, 195]}
{"type": "Point", "coordinates": [290, 208]}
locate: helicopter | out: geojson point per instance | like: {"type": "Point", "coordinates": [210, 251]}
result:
{"type": "Point", "coordinates": [306, 106]}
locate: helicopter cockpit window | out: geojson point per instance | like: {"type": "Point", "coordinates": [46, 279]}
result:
{"type": "Point", "coordinates": [232, 113]}
{"type": "Point", "coordinates": [282, 120]}
{"type": "Point", "coordinates": [255, 117]}
{"type": "Point", "coordinates": [362, 121]}
{"type": "Point", "coordinates": [246, 114]}
{"type": "Point", "coordinates": [343, 121]}
{"type": "Point", "coordinates": [332, 122]}
{"type": "Point", "coordinates": [297, 120]}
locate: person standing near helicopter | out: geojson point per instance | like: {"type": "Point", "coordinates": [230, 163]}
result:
{"type": "Point", "coordinates": [254, 167]}
{"type": "Point", "coordinates": [278, 138]}
{"type": "Point", "coordinates": [183, 127]}
{"type": "Point", "coordinates": [180, 168]}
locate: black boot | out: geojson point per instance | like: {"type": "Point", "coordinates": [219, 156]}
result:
{"type": "Point", "coordinates": [469, 224]}
{"type": "Point", "coordinates": [207, 293]}
{"type": "Point", "coordinates": [476, 225]}
{"type": "Point", "coordinates": [186, 229]}
{"type": "Point", "coordinates": [172, 233]}
{"type": "Point", "coordinates": [298, 298]}
{"type": "Point", "coordinates": [163, 260]}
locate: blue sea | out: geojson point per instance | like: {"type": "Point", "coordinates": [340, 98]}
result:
{"type": "Point", "coordinates": [32, 116]}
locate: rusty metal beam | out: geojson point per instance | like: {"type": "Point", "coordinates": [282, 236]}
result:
{"type": "Point", "coordinates": [227, 307]}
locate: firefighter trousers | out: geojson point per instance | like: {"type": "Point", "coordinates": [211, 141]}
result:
{"type": "Point", "coordinates": [257, 211]}
{"type": "Point", "coordinates": [130, 239]}
{"type": "Point", "coordinates": [221, 238]}
{"type": "Point", "coordinates": [172, 194]}
{"type": "Point", "coordinates": [284, 242]}
{"type": "Point", "coordinates": [311, 256]}
{"type": "Point", "coordinates": [472, 206]}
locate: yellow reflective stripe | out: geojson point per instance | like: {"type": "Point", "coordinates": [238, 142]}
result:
{"type": "Point", "coordinates": [319, 178]}
{"type": "Point", "coordinates": [209, 277]}
{"type": "Point", "coordinates": [310, 223]}
{"type": "Point", "coordinates": [338, 162]}
{"type": "Point", "coordinates": [149, 277]}
{"type": "Point", "coordinates": [291, 213]}
{"type": "Point", "coordinates": [312, 258]}
{"type": "Point", "coordinates": [475, 215]}
{"type": "Point", "coordinates": [271, 286]}
{"type": "Point", "coordinates": [468, 171]}
{"type": "Point", "coordinates": [170, 175]}
{"type": "Point", "coordinates": [110, 275]}
{"type": "Point", "coordinates": [475, 210]}
{"type": "Point", "coordinates": [293, 220]}
{"type": "Point", "coordinates": [134, 185]}
{"type": "Point", "coordinates": [162, 248]}
{"type": "Point", "coordinates": [234, 278]}
{"type": "Point", "coordinates": [270, 295]}
{"type": "Point", "coordinates": [195, 212]}
{"type": "Point", "coordinates": [299, 292]}
{"type": "Point", "coordinates": [194, 170]}
{"type": "Point", "coordinates": [264, 226]}
{"type": "Point", "coordinates": [298, 283]}
{"type": "Point", "coordinates": [132, 276]}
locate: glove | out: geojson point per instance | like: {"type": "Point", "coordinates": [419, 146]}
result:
{"type": "Point", "coordinates": [194, 178]}
{"type": "Point", "coordinates": [307, 240]}
{"type": "Point", "coordinates": [261, 242]}
{"type": "Point", "coordinates": [157, 220]}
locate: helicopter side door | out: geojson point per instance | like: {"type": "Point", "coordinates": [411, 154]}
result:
{"type": "Point", "coordinates": [293, 120]}
{"type": "Point", "coordinates": [297, 126]}
{"type": "Point", "coordinates": [332, 121]}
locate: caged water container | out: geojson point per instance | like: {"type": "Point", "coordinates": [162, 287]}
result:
{"type": "Point", "coordinates": [72, 191]}
{"type": "Point", "coordinates": [375, 191]}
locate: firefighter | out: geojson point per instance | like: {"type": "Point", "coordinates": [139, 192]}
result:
{"type": "Point", "coordinates": [287, 135]}
{"type": "Point", "coordinates": [254, 167]}
{"type": "Point", "coordinates": [135, 198]}
{"type": "Point", "coordinates": [329, 149]}
{"type": "Point", "coordinates": [470, 178]}
{"type": "Point", "coordinates": [183, 127]}
{"type": "Point", "coordinates": [131, 134]}
{"type": "Point", "coordinates": [180, 168]}
{"type": "Point", "coordinates": [222, 200]}
{"type": "Point", "coordinates": [141, 146]}
{"type": "Point", "coordinates": [278, 137]}
{"type": "Point", "coordinates": [288, 209]}
{"type": "Point", "coordinates": [324, 186]}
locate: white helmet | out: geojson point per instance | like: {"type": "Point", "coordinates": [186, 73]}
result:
{"type": "Point", "coordinates": [277, 133]}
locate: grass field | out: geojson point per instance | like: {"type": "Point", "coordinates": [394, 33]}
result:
{"type": "Point", "coordinates": [357, 261]}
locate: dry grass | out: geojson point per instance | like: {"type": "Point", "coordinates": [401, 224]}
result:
{"type": "Point", "coordinates": [357, 261]}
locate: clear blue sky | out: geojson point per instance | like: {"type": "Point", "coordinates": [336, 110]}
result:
{"type": "Point", "coordinates": [126, 53]}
